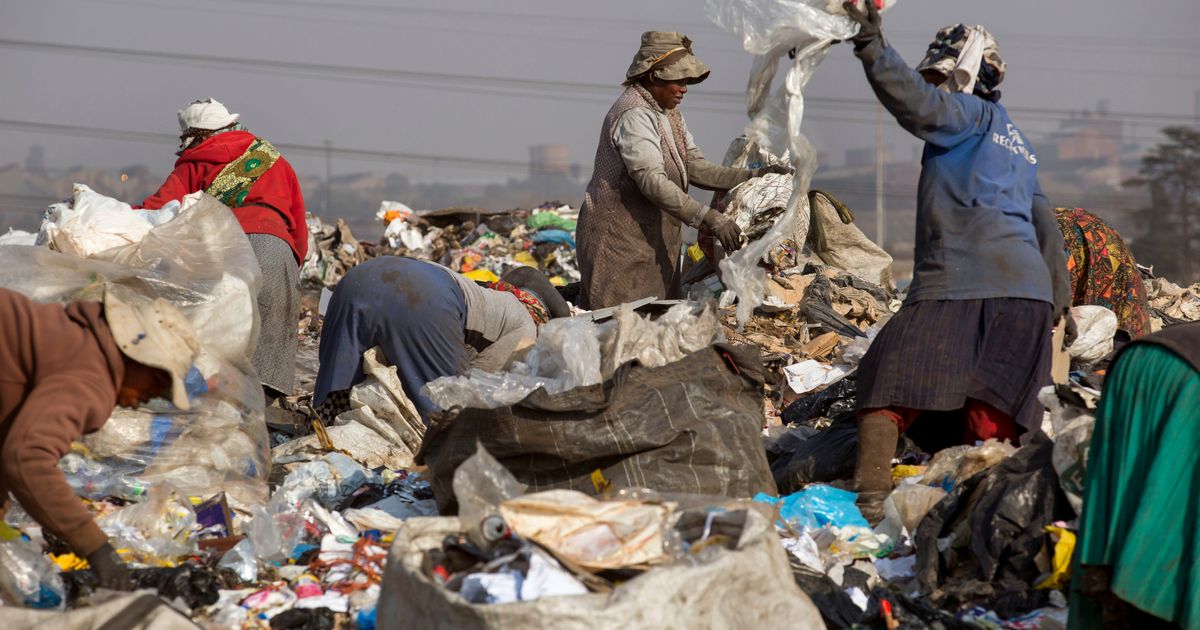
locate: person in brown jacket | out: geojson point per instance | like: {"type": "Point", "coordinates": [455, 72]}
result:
{"type": "Point", "coordinates": [63, 368]}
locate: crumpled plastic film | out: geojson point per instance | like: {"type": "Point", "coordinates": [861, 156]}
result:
{"type": "Point", "coordinates": [772, 29]}
{"type": "Point", "coordinates": [572, 353]}
{"type": "Point", "coordinates": [1097, 327]}
{"type": "Point", "coordinates": [28, 578]}
{"type": "Point", "coordinates": [155, 531]}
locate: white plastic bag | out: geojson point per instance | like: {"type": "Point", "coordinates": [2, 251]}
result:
{"type": "Point", "coordinates": [91, 223]}
{"type": "Point", "coordinates": [1097, 325]}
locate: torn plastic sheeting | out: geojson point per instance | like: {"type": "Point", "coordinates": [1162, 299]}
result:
{"type": "Point", "coordinates": [953, 465]}
{"type": "Point", "coordinates": [906, 506]}
{"type": "Point", "coordinates": [824, 457]}
{"type": "Point", "coordinates": [773, 29]}
{"type": "Point", "coordinates": [481, 485]}
{"type": "Point", "coordinates": [1071, 426]}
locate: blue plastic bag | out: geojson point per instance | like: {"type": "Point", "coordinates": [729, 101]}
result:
{"type": "Point", "coordinates": [817, 506]}
{"type": "Point", "coordinates": [557, 237]}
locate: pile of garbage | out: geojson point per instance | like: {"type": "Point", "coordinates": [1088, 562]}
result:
{"type": "Point", "coordinates": [479, 244]}
{"type": "Point", "coordinates": [685, 466]}
{"type": "Point", "coordinates": [1171, 303]}
{"type": "Point", "coordinates": [581, 490]}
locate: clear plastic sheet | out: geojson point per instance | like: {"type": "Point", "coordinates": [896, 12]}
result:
{"type": "Point", "coordinates": [201, 262]}
{"type": "Point", "coordinates": [572, 353]}
{"type": "Point", "coordinates": [773, 29]}
{"type": "Point", "coordinates": [481, 484]}
{"type": "Point", "coordinates": [156, 531]}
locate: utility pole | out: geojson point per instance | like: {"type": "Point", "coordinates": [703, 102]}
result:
{"type": "Point", "coordinates": [328, 174]}
{"type": "Point", "coordinates": [880, 219]}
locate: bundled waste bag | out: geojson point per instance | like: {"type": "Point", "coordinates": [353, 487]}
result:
{"type": "Point", "coordinates": [798, 33]}
{"type": "Point", "coordinates": [747, 584]}
{"type": "Point", "coordinates": [983, 543]}
{"type": "Point", "coordinates": [201, 262]}
{"type": "Point", "coordinates": [826, 456]}
{"type": "Point", "coordinates": [691, 426]}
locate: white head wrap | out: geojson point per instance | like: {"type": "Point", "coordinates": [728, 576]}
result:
{"type": "Point", "coordinates": [207, 114]}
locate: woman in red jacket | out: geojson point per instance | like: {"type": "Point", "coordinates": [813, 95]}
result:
{"type": "Point", "coordinates": [218, 156]}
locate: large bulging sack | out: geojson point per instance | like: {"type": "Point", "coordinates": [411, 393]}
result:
{"type": "Point", "coordinates": [748, 586]}
{"type": "Point", "coordinates": [201, 262]}
{"type": "Point", "coordinates": [692, 426]}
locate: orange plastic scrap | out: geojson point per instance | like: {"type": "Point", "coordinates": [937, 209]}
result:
{"type": "Point", "coordinates": [363, 561]}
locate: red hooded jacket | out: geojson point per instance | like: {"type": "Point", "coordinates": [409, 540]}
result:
{"type": "Point", "coordinates": [274, 205]}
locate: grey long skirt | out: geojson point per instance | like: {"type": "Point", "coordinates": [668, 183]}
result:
{"type": "Point", "coordinates": [935, 355]}
{"type": "Point", "coordinates": [278, 311]}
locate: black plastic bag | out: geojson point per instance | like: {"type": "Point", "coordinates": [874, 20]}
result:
{"type": "Point", "coordinates": [994, 524]}
{"type": "Point", "coordinates": [826, 456]}
{"type": "Point", "coordinates": [834, 401]}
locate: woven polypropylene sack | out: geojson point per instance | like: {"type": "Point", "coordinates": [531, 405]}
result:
{"type": "Point", "coordinates": [750, 586]}
{"type": "Point", "coordinates": [692, 426]}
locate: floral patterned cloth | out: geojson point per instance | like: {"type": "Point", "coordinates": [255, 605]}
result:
{"type": "Point", "coordinates": [1103, 271]}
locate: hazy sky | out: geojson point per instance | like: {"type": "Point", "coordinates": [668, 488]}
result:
{"type": "Point", "coordinates": [442, 77]}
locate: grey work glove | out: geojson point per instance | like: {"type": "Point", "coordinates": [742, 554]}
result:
{"type": "Point", "coordinates": [110, 570]}
{"type": "Point", "coordinates": [870, 24]}
{"type": "Point", "coordinates": [780, 169]}
{"type": "Point", "coordinates": [1070, 330]}
{"type": "Point", "coordinates": [725, 230]}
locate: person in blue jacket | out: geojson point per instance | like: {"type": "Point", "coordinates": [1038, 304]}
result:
{"type": "Point", "coordinates": [972, 341]}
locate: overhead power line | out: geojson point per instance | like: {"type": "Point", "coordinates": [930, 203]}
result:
{"type": "Point", "coordinates": [545, 88]}
{"type": "Point", "coordinates": [507, 166]}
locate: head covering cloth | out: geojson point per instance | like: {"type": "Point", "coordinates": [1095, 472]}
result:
{"type": "Point", "coordinates": [969, 58]}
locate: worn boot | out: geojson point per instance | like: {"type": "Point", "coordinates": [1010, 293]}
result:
{"type": "Point", "coordinates": [877, 438]}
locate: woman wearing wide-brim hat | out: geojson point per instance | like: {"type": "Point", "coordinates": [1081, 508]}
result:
{"type": "Point", "coordinates": [629, 225]}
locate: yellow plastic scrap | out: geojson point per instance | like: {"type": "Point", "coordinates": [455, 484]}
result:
{"type": "Point", "coordinates": [904, 471]}
{"type": "Point", "coordinates": [1064, 548]}
{"type": "Point", "coordinates": [8, 532]}
{"type": "Point", "coordinates": [482, 275]}
{"type": "Point", "coordinates": [695, 253]}
{"type": "Point", "coordinates": [525, 258]}
{"type": "Point", "coordinates": [559, 281]}
{"type": "Point", "coordinates": [69, 562]}
{"type": "Point", "coordinates": [599, 482]}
